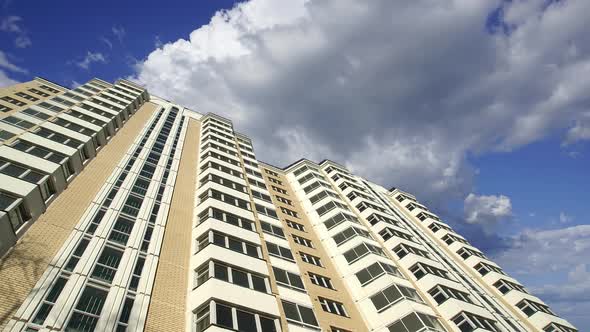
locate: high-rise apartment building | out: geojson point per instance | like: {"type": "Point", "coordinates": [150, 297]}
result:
{"type": "Point", "coordinates": [121, 211]}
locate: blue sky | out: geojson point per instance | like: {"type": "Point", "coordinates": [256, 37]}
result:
{"type": "Point", "coordinates": [481, 109]}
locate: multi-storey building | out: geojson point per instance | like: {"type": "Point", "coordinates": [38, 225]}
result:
{"type": "Point", "coordinates": [121, 211]}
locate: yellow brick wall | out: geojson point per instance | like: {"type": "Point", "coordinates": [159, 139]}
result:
{"type": "Point", "coordinates": [167, 307]}
{"type": "Point", "coordinates": [21, 268]}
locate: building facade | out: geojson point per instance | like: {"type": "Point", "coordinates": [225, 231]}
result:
{"type": "Point", "coordinates": [121, 211]}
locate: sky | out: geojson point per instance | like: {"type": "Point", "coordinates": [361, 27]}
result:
{"type": "Point", "coordinates": [480, 108]}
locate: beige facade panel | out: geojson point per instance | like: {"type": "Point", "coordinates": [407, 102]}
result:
{"type": "Point", "coordinates": [21, 268]}
{"type": "Point", "coordinates": [354, 321]}
{"type": "Point", "coordinates": [168, 303]}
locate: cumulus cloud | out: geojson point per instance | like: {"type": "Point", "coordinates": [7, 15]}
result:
{"type": "Point", "coordinates": [6, 64]}
{"type": "Point", "coordinates": [91, 57]}
{"type": "Point", "coordinates": [554, 264]}
{"type": "Point", "coordinates": [402, 92]}
{"type": "Point", "coordinates": [487, 210]}
{"type": "Point", "coordinates": [12, 24]}
{"type": "Point", "coordinates": [580, 131]}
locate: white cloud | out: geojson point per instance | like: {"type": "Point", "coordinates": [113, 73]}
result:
{"type": "Point", "coordinates": [12, 24]}
{"type": "Point", "coordinates": [119, 32]}
{"type": "Point", "coordinates": [5, 80]}
{"type": "Point", "coordinates": [487, 210]}
{"type": "Point", "coordinates": [6, 64]}
{"type": "Point", "coordinates": [401, 92]}
{"type": "Point", "coordinates": [580, 131]}
{"type": "Point", "coordinates": [9, 66]}
{"type": "Point", "coordinates": [91, 57]}
{"type": "Point", "coordinates": [107, 42]}
{"type": "Point", "coordinates": [565, 218]}
{"type": "Point", "coordinates": [553, 264]}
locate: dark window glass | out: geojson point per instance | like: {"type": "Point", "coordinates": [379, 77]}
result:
{"type": "Point", "coordinates": [224, 316]}
{"type": "Point", "coordinates": [240, 278]}
{"type": "Point", "coordinates": [246, 321]}
{"type": "Point", "coordinates": [221, 272]}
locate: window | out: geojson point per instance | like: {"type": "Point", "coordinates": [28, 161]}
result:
{"type": "Point", "coordinates": [106, 266]}
{"type": "Point", "coordinates": [227, 217]}
{"type": "Point", "coordinates": [35, 114]}
{"type": "Point", "coordinates": [329, 207]}
{"type": "Point", "coordinates": [261, 196]}
{"type": "Point", "coordinates": [125, 313]}
{"type": "Point", "coordinates": [121, 230]}
{"type": "Point", "coordinates": [278, 251]}
{"type": "Point", "coordinates": [311, 259]}
{"type": "Point", "coordinates": [505, 286]}
{"type": "Point", "coordinates": [234, 318]}
{"type": "Point", "coordinates": [376, 218]}
{"type": "Point", "coordinates": [13, 101]}
{"type": "Point", "coordinates": [231, 274]}
{"type": "Point", "coordinates": [269, 212]}
{"type": "Point", "coordinates": [273, 173]}
{"type": "Point", "coordinates": [376, 270]}
{"type": "Point", "coordinates": [321, 195]}
{"type": "Point", "coordinates": [465, 253]}
{"type": "Point", "coordinates": [49, 301]}
{"type": "Point", "coordinates": [295, 225]}
{"type": "Point", "coordinates": [59, 138]}
{"type": "Point", "coordinates": [298, 314]}
{"type": "Point", "coordinates": [228, 242]}
{"type": "Point", "coordinates": [388, 232]}
{"type": "Point", "coordinates": [402, 250]}
{"type": "Point", "coordinates": [288, 279]}
{"type": "Point", "coordinates": [350, 233]}
{"type": "Point", "coordinates": [77, 254]}
{"type": "Point", "coordinates": [289, 212]}
{"type": "Point", "coordinates": [554, 327]}
{"type": "Point", "coordinates": [442, 293]}
{"type": "Point", "coordinates": [24, 173]}
{"type": "Point", "coordinates": [4, 108]}
{"type": "Point", "coordinates": [333, 307]}
{"type": "Point", "coordinates": [530, 308]}
{"type": "Point", "coordinates": [280, 183]}
{"type": "Point", "coordinates": [50, 107]}
{"type": "Point", "coordinates": [5, 135]}
{"type": "Point", "coordinates": [253, 172]}
{"type": "Point", "coordinates": [484, 268]}
{"type": "Point", "coordinates": [17, 122]}
{"type": "Point", "coordinates": [62, 101]}
{"type": "Point", "coordinates": [302, 241]}
{"type": "Point", "coordinates": [50, 89]}
{"type": "Point", "coordinates": [450, 239]}
{"type": "Point", "coordinates": [319, 280]}
{"type": "Point", "coordinates": [201, 318]}
{"type": "Point", "coordinates": [284, 200]}
{"type": "Point", "coordinates": [224, 182]}
{"type": "Point", "coordinates": [272, 229]}
{"type": "Point", "coordinates": [222, 168]}
{"type": "Point", "coordinates": [136, 274]}
{"type": "Point", "coordinates": [280, 190]}
{"type": "Point", "coordinates": [468, 322]}
{"type": "Point", "coordinates": [26, 96]}
{"type": "Point", "coordinates": [420, 270]}
{"type": "Point", "coordinates": [226, 198]}
{"type": "Point", "coordinates": [416, 321]}
{"type": "Point", "coordinates": [315, 185]}
{"type": "Point", "coordinates": [39, 92]}
{"type": "Point", "coordinates": [392, 294]}
{"type": "Point", "coordinates": [87, 311]}
{"type": "Point", "coordinates": [361, 251]}
{"type": "Point", "coordinates": [304, 168]}
{"type": "Point", "coordinates": [256, 183]}
{"type": "Point", "coordinates": [339, 218]}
